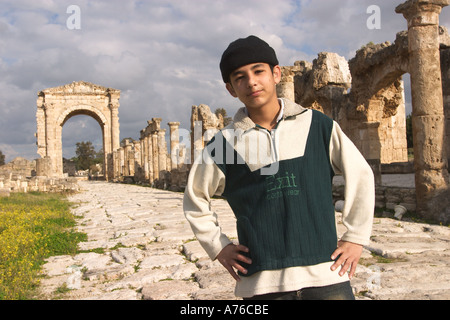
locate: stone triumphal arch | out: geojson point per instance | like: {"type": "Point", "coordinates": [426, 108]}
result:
{"type": "Point", "coordinates": [57, 105]}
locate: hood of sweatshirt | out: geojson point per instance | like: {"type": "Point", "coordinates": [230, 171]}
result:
{"type": "Point", "coordinates": [242, 121]}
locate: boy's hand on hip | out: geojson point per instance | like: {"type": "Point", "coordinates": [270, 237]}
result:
{"type": "Point", "coordinates": [349, 254]}
{"type": "Point", "coordinates": [230, 257]}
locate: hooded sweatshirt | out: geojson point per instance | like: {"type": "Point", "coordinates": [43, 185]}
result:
{"type": "Point", "coordinates": [279, 186]}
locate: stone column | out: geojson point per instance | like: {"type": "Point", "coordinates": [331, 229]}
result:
{"type": "Point", "coordinates": [145, 153]}
{"type": "Point", "coordinates": [115, 136]}
{"type": "Point", "coordinates": [150, 157]}
{"type": "Point", "coordinates": [162, 150]}
{"type": "Point", "coordinates": [369, 133]}
{"type": "Point", "coordinates": [116, 161]}
{"type": "Point", "coordinates": [43, 167]}
{"type": "Point", "coordinates": [126, 153]}
{"type": "Point", "coordinates": [430, 161]}
{"type": "Point", "coordinates": [41, 133]}
{"type": "Point", "coordinates": [155, 157]}
{"type": "Point", "coordinates": [285, 89]}
{"type": "Point", "coordinates": [115, 127]}
{"type": "Point", "coordinates": [121, 155]}
{"type": "Point", "coordinates": [445, 67]}
{"type": "Point", "coordinates": [174, 144]}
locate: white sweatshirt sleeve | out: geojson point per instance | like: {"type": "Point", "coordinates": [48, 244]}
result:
{"type": "Point", "coordinates": [205, 180]}
{"type": "Point", "coordinates": [357, 215]}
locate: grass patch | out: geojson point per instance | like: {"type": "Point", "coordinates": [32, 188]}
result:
{"type": "Point", "coordinates": [379, 259]}
{"type": "Point", "coordinates": [33, 226]}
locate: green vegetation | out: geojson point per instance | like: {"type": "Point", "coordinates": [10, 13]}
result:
{"type": "Point", "coordinates": [87, 157]}
{"type": "Point", "coordinates": [409, 132]}
{"type": "Point", "coordinates": [33, 227]}
{"type": "Point", "coordinates": [2, 158]}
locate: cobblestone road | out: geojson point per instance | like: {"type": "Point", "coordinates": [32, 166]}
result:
{"type": "Point", "coordinates": [141, 247]}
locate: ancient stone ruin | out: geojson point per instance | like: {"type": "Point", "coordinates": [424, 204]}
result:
{"type": "Point", "coordinates": [19, 175]}
{"type": "Point", "coordinates": [57, 105]}
{"type": "Point", "coordinates": [152, 162]}
{"type": "Point", "coordinates": [364, 95]}
{"type": "Point", "coordinates": [372, 112]}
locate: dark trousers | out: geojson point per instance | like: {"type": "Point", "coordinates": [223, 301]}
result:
{"type": "Point", "coordinates": [339, 291]}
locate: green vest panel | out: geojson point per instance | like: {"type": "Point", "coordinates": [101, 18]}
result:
{"type": "Point", "coordinates": [286, 219]}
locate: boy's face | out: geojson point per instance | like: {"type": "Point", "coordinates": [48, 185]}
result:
{"type": "Point", "coordinates": [254, 84]}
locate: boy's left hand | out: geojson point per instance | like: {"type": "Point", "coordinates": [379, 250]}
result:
{"type": "Point", "coordinates": [349, 256]}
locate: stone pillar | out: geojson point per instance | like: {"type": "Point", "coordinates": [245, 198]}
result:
{"type": "Point", "coordinates": [116, 161]}
{"type": "Point", "coordinates": [150, 157]}
{"type": "Point", "coordinates": [196, 140]}
{"type": "Point", "coordinates": [43, 167]}
{"type": "Point", "coordinates": [136, 163]}
{"type": "Point", "coordinates": [445, 67]}
{"type": "Point", "coordinates": [155, 157]}
{"type": "Point", "coordinates": [115, 137]}
{"type": "Point", "coordinates": [127, 153]}
{"type": "Point", "coordinates": [144, 154]}
{"type": "Point", "coordinates": [162, 150]}
{"type": "Point", "coordinates": [156, 124]}
{"type": "Point", "coordinates": [204, 124]}
{"type": "Point", "coordinates": [41, 133]}
{"type": "Point", "coordinates": [174, 144]}
{"type": "Point", "coordinates": [115, 130]}
{"type": "Point", "coordinates": [121, 155]}
{"type": "Point", "coordinates": [285, 89]}
{"type": "Point", "coordinates": [430, 160]}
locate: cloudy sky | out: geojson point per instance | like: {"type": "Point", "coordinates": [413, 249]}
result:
{"type": "Point", "coordinates": [162, 54]}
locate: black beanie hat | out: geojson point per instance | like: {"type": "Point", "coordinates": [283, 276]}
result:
{"type": "Point", "coordinates": [245, 51]}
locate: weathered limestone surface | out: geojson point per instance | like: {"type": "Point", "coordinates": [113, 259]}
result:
{"type": "Point", "coordinates": [149, 248]}
{"type": "Point", "coordinates": [149, 252]}
{"type": "Point", "coordinates": [19, 166]}
{"type": "Point", "coordinates": [57, 105]}
{"type": "Point", "coordinates": [369, 102]}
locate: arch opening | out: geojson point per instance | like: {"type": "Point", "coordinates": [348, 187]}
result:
{"type": "Point", "coordinates": [84, 129]}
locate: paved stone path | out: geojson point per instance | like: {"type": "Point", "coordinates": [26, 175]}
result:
{"type": "Point", "coordinates": [141, 247]}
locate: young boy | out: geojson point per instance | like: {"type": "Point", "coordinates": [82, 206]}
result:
{"type": "Point", "coordinates": [274, 164]}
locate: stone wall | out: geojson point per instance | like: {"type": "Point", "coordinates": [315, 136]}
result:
{"type": "Point", "coordinates": [19, 175]}
{"type": "Point", "coordinates": [18, 183]}
{"type": "Point", "coordinates": [19, 166]}
{"type": "Point", "coordinates": [385, 197]}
